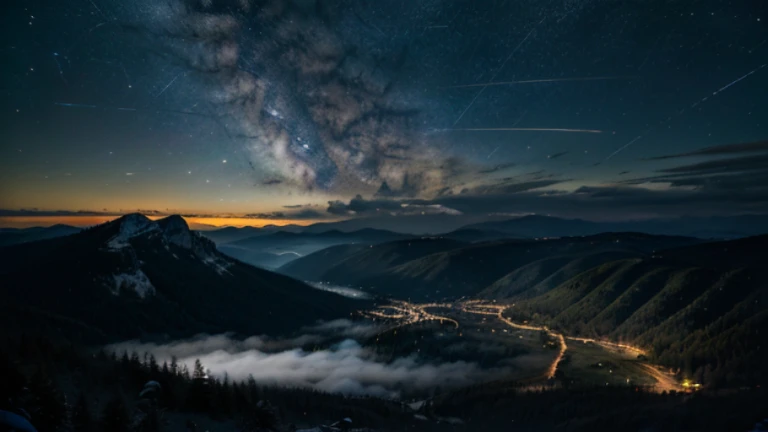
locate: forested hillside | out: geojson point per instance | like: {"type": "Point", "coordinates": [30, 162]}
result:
{"type": "Point", "coordinates": [428, 269]}
{"type": "Point", "coordinates": [703, 308]}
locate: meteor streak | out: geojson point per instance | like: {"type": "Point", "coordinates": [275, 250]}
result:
{"type": "Point", "coordinates": [497, 71]}
{"type": "Point", "coordinates": [734, 82]}
{"type": "Point", "coordinates": [544, 80]}
{"type": "Point", "coordinates": [681, 112]}
{"type": "Point", "coordinates": [168, 85]}
{"type": "Point", "coordinates": [622, 148]}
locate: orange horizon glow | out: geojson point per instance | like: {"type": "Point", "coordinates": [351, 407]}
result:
{"type": "Point", "coordinates": [84, 221]}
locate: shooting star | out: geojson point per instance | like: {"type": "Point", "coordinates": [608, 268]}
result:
{"type": "Point", "coordinates": [495, 74]}
{"type": "Point", "coordinates": [736, 81]}
{"type": "Point", "coordinates": [594, 131]}
{"type": "Point", "coordinates": [169, 84]}
{"type": "Point", "coordinates": [544, 80]}
{"type": "Point", "coordinates": [100, 12]}
{"type": "Point", "coordinates": [681, 112]}
{"type": "Point", "coordinates": [622, 148]}
{"type": "Point", "coordinates": [557, 155]}
{"type": "Point", "coordinates": [494, 151]}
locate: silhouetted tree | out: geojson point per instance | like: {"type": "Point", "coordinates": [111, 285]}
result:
{"type": "Point", "coordinates": [47, 407]}
{"type": "Point", "coordinates": [198, 398]}
{"type": "Point", "coordinates": [115, 417]}
{"type": "Point", "coordinates": [82, 421]}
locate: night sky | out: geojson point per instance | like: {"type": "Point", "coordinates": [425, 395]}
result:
{"type": "Point", "coordinates": [256, 112]}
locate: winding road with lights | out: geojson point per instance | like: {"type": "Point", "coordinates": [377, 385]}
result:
{"type": "Point", "coordinates": [405, 313]}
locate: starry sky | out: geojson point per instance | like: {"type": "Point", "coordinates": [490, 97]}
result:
{"type": "Point", "coordinates": [247, 112]}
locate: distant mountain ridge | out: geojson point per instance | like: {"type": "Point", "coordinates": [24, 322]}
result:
{"type": "Point", "coordinates": [531, 226]}
{"type": "Point", "coordinates": [535, 226]}
{"type": "Point", "coordinates": [11, 236]}
{"type": "Point", "coordinates": [134, 277]}
{"type": "Point", "coordinates": [272, 250]}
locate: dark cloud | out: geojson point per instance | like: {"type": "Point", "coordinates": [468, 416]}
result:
{"type": "Point", "coordinates": [271, 182]}
{"type": "Point", "coordinates": [609, 202]}
{"type": "Point", "coordinates": [745, 163]}
{"type": "Point", "coordinates": [408, 189]}
{"type": "Point", "coordinates": [384, 191]}
{"type": "Point", "coordinates": [513, 188]}
{"type": "Point", "coordinates": [360, 206]}
{"type": "Point", "coordinates": [496, 168]}
{"type": "Point", "coordinates": [294, 213]}
{"type": "Point", "coordinates": [751, 147]}
{"type": "Point", "coordinates": [307, 214]}
{"type": "Point", "coordinates": [271, 215]}
{"type": "Point", "coordinates": [744, 177]}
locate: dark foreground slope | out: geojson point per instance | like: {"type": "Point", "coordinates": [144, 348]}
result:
{"type": "Point", "coordinates": [133, 277]}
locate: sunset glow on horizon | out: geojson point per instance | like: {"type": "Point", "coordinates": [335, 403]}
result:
{"type": "Point", "coordinates": [194, 222]}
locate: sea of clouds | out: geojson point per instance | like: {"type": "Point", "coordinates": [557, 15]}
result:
{"type": "Point", "coordinates": [343, 367]}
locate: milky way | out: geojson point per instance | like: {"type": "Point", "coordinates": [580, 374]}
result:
{"type": "Point", "coordinates": [246, 106]}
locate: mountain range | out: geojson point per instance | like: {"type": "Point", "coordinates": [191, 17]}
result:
{"type": "Point", "coordinates": [271, 247]}
{"type": "Point", "coordinates": [10, 236]}
{"type": "Point", "coordinates": [530, 226]}
{"type": "Point", "coordinates": [435, 267]}
{"type": "Point", "coordinates": [271, 250]}
{"type": "Point", "coordinates": [135, 277]}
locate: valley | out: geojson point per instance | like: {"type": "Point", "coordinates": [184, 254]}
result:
{"type": "Point", "coordinates": [585, 356]}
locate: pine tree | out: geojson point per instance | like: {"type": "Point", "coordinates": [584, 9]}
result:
{"type": "Point", "coordinates": [198, 399]}
{"type": "Point", "coordinates": [48, 407]}
{"type": "Point", "coordinates": [153, 368]}
{"type": "Point", "coordinates": [81, 416]}
{"type": "Point", "coordinates": [115, 417]}
{"type": "Point", "coordinates": [199, 371]}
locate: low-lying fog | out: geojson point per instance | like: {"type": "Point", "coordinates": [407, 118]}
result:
{"type": "Point", "coordinates": [341, 290]}
{"type": "Point", "coordinates": [341, 364]}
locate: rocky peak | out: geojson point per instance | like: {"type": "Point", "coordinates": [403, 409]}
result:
{"type": "Point", "coordinates": [176, 231]}
{"type": "Point", "coordinates": [131, 225]}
